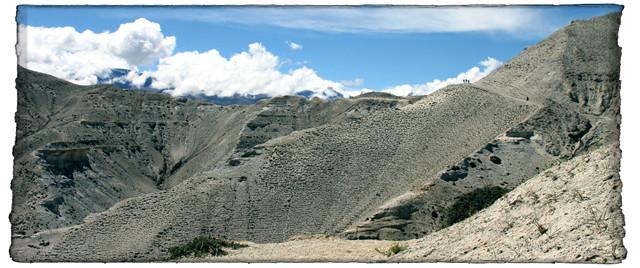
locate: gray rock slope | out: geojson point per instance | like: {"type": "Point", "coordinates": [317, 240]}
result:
{"type": "Point", "coordinates": [578, 66]}
{"type": "Point", "coordinates": [579, 95]}
{"type": "Point", "coordinates": [105, 174]}
{"type": "Point", "coordinates": [79, 150]}
{"type": "Point", "coordinates": [568, 213]}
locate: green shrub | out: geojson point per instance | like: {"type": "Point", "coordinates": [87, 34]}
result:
{"type": "Point", "coordinates": [395, 249]}
{"type": "Point", "coordinates": [468, 204]}
{"type": "Point", "coordinates": [201, 246]}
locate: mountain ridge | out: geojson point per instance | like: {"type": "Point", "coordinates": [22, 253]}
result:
{"type": "Point", "coordinates": [118, 77]}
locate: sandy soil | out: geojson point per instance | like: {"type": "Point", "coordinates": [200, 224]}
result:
{"type": "Point", "coordinates": [308, 249]}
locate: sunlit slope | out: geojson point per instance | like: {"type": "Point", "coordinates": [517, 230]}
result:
{"type": "Point", "coordinates": [568, 213]}
{"type": "Point", "coordinates": [574, 76]}
{"type": "Point", "coordinates": [577, 66]}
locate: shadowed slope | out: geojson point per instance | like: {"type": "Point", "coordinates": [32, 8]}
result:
{"type": "Point", "coordinates": [80, 149]}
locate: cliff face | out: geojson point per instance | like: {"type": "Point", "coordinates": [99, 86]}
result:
{"type": "Point", "coordinates": [106, 174]}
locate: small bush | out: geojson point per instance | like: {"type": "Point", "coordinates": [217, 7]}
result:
{"type": "Point", "coordinates": [468, 204]}
{"type": "Point", "coordinates": [201, 246]}
{"type": "Point", "coordinates": [395, 249]}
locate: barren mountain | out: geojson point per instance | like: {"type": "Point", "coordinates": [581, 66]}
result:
{"type": "Point", "coordinates": [107, 174]}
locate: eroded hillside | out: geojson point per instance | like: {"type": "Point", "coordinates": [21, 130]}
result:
{"type": "Point", "coordinates": [551, 74]}
{"type": "Point", "coordinates": [106, 174]}
{"type": "Point", "coordinates": [316, 180]}
{"type": "Point", "coordinates": [79, 150]}
{"type": "Point", "coordinates": [569, 213]}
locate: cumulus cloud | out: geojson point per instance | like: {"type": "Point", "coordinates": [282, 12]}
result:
{"type": "Point", "coordinates": [79, 57]}
{"type": "Point", "coordinates": [251, 72]}
{"type": "Point", "coordinates": [140, 42]}
{"type": "Point", "coordinates": [356, 82]}
{"type": "Point", "coordinates": [83, 57]}
{"type": "Point", "coordinates": [293, 45]}
{"type": "Point", "coordinates": [473, 74]}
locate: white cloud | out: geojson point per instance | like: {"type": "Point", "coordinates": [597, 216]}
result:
{"type": "Point", "coordinates": [473, 74]}
{"type": "Point", "coordinates": [81, 57]}
{"type": "Point", "coordinates": [353, 93]}
{"type": "Point", "coordinates": [356, 82]}
{"type": "Point", "coordinates": [78, 57]}
{"type": "Point", "coordinates": [519, 21]}
{"type": "Point", "coordinates": [293, 45]}
{"type": "Point", "coordinates": [140, 42]}
{"type": "Point", "coordinates": [253, 72]}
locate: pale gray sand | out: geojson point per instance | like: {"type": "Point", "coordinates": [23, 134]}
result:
{"type": "Point", "coordinates": [569, 213]}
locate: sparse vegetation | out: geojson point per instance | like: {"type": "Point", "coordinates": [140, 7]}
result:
{"type": "Point", "coordinates": [395, 249]}
{"type": "Point", "coordinates": [578, 195]}
{"type": "Point", "coordinates": [201, 246]}
{"type": "Point", "coordinates": [550, 174]}
{"type": "Point", "coordinates": [564, 158]}
{"type": "Point", "coordinates": [541, 228]}
{"type": "Point", "coordinates": [468, 204]}
{"type": "Point", "coordinates": [598, 220]}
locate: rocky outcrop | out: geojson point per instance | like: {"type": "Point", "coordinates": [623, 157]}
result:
{"type": "Point", "coordinates": [505, 162]}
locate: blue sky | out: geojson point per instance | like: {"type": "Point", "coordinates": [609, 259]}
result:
{"type": "Point", "coordinates": [354, 48]}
